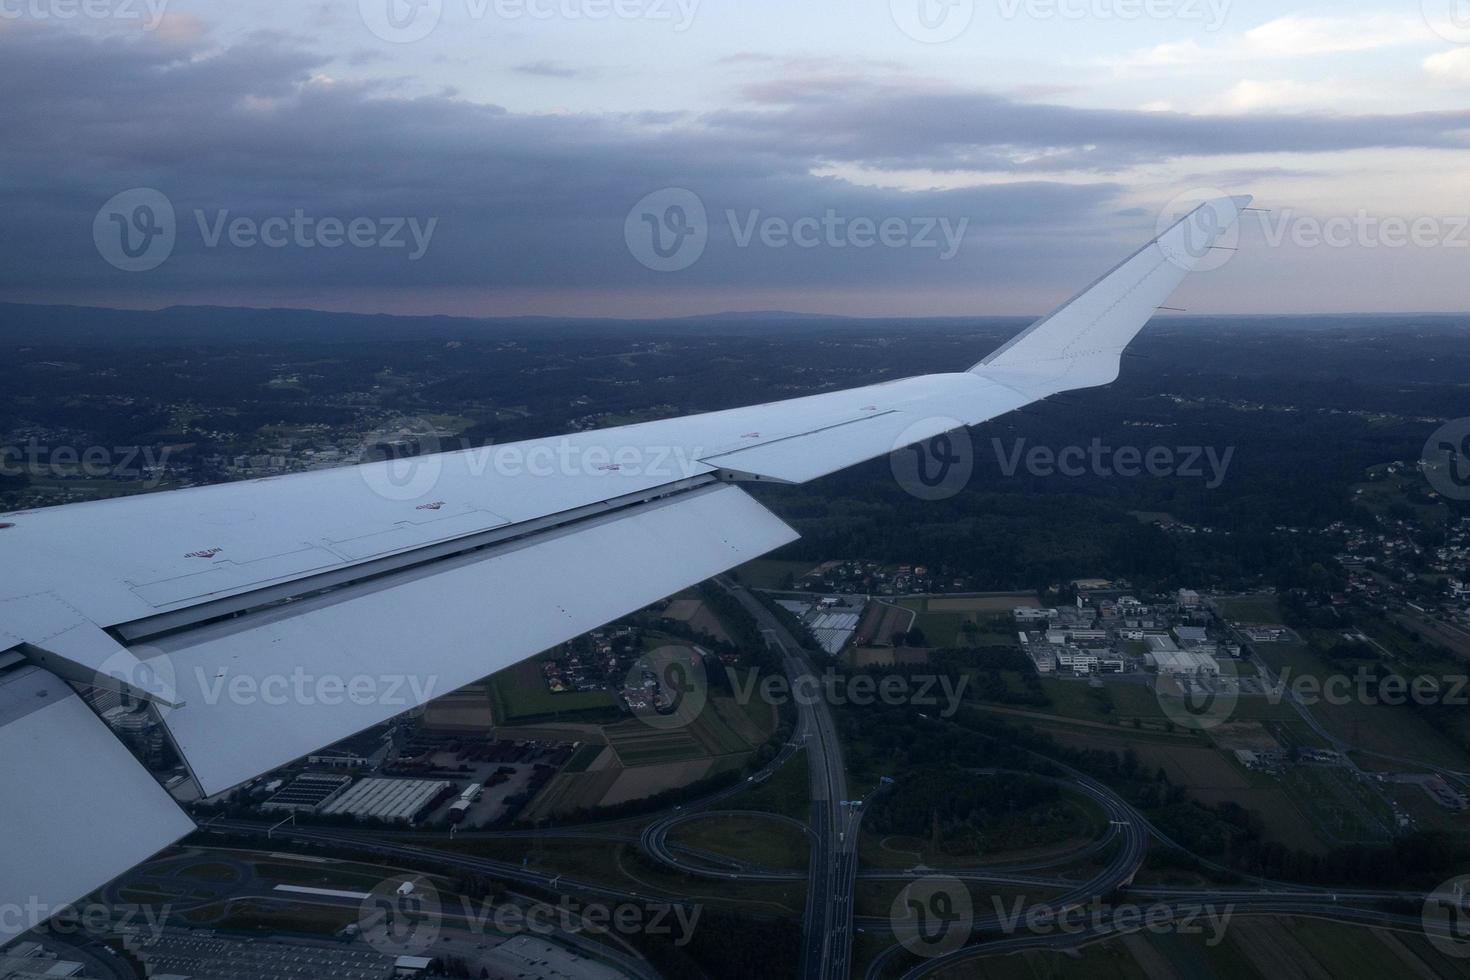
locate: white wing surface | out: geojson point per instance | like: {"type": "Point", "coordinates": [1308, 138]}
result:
{"type": "Point", "coordinates": [268, 618]}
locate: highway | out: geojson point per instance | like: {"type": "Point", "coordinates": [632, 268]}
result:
{"type": "Point", "coordinates": [832, 869]}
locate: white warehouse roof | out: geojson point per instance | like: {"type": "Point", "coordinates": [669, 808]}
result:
{"type": "Point", "coordinates": [387, 799]}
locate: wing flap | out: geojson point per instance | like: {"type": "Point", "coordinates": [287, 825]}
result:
{"type": "Point", "coordinates": [77, 810]}
{"type": "Point", "coordinates": [264, 689]}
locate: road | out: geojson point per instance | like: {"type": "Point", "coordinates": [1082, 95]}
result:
{"type": "Point", "coordinates": [832, 870]}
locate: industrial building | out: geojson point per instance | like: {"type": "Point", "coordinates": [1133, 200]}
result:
{"type": "Point", "coordinates": [308, 793]}
{"type": "Point", "coordinates": [401, 800]}
{"type": "Point", "coordinates": [31, 961]}
{"type": "Point", "coordinates": [1191, 636]}
{"type": "Point", "coordinates": [1184, 663]}
{"type": "Point", "coordinates": [203, 953]}
{"type": "Point", "coordinates": [833, 622]}
{"type": "Point", "coordinates": [1030, 614]}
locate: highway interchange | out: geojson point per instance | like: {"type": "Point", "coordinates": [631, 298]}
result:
{"type": "Point", "coordinates": [832, 829]}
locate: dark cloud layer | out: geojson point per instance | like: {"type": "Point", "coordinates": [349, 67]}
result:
{"type": "Point", "coordinates": [539, 201]}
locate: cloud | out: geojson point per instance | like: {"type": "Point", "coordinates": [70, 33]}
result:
{"type": "Point", "coordinates": [1285, 40]}
{"type": "Point", "coordinates": [539, 201]}
{"type": "Point", "coordinates": [1452, 67]}
{"type": "Point", "coordinates": [1282, 95]}
{"type": "Point", "coordinates": [1307, 37]}
{"type": "Point", "coordinates": [898, 127]}
{"type": "Point", "coordinates": [550, 69]}
{"type": "Point", "coordinates": [522, 201]}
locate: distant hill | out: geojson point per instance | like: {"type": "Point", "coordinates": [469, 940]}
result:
{"type": "Point", "coordinates": [24, 324]}
{"type": "Point", "coordinates": [83, 325]}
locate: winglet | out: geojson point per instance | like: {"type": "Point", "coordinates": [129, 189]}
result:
{"type": "Point", "coordinates": [1079, 344]}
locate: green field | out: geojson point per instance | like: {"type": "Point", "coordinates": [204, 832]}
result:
{"type": "Point", "coordinates": [767, 843]}
{"type": "Point", "coordinates": [787, 792]}
{"type": "Point", "coordinates": [769, 573]}
{"type": "Point", "coordinates": [1256, 610]}
{"type": "Point", "coordinates": [583, 757]}
{"type": "Point", "coordinates": [520, 694]}
{"type": "Point", "coordinates": [622, 865]}
{"type": "Point", "coordinates": [1397, 730]}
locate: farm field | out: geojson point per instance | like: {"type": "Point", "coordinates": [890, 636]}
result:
{"type": "Point", "coordinates": [1255, 610]}
{"type": "Point", "coordinates": [642, 760]}
{"type": "Point", "coordinates": [1391, 729]}
{"type": "Point", "coordinates": [1255, 947]}
{"type": "Point", "coordinates": [519, 694]}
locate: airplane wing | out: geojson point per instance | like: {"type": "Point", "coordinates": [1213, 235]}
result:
{"type": "Point", "coordinates": [262, 620]}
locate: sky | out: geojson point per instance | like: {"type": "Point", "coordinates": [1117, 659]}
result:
{"type": "Point", "coordinates": [641, 158]}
